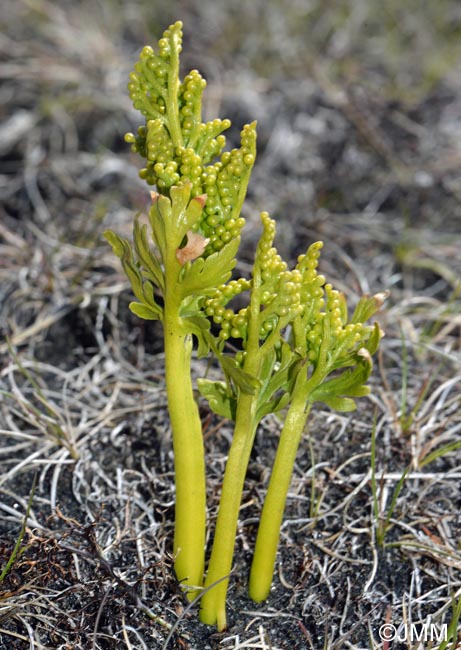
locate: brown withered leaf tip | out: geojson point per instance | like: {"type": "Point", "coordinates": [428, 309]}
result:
{"type": "Point", "coordinates": [381, 297]}
{"type": "Point", "coordinates": [363, 352]}
{"type": "Point", "coordinates": [201, 199]}
{"type": "Point", "coordinates": [195, 246]}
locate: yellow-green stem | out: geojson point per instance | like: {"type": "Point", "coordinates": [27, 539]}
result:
{"type": "Point", "coordinates": [213, 603]}
{"type": "Point", "coordinates": [262, 568]}
{"type": "Point", "coordinates": [190, 508]}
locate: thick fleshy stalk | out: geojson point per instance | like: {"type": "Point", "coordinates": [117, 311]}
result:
{"type": "Point", "coordinates": [190, 507]}
{"type": "Point", "coordinates": [213, 602]}
{"type": "Point", "coordinates": [267, 540]}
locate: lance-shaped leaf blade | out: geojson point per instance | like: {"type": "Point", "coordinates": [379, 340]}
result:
{"type": "Point", "coordinates": [199, 326]}
{"type": "Point", "coordinates": [347, 384]}
{"type": "Point", "coordinates": [151, 266]}
{"type": "Point", "coordinates": [145, 311]}
{"type": "Point", "coordinates": [277, 370]}
{"type": "Point", "coordinates": [246, 382]}
{"type": "Point", "coordinates": [220, 400]}
{"type": "Point", "coordinates": [142, 288]}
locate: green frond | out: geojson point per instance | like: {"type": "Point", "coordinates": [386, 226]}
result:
{"type": "Point", "coordinates": [142, 288]}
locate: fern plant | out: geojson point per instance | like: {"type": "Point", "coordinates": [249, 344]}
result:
{"type": "Point", "coordinates": [195, 228]}
{"type": "Point", "coordinates": [294, 342]}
